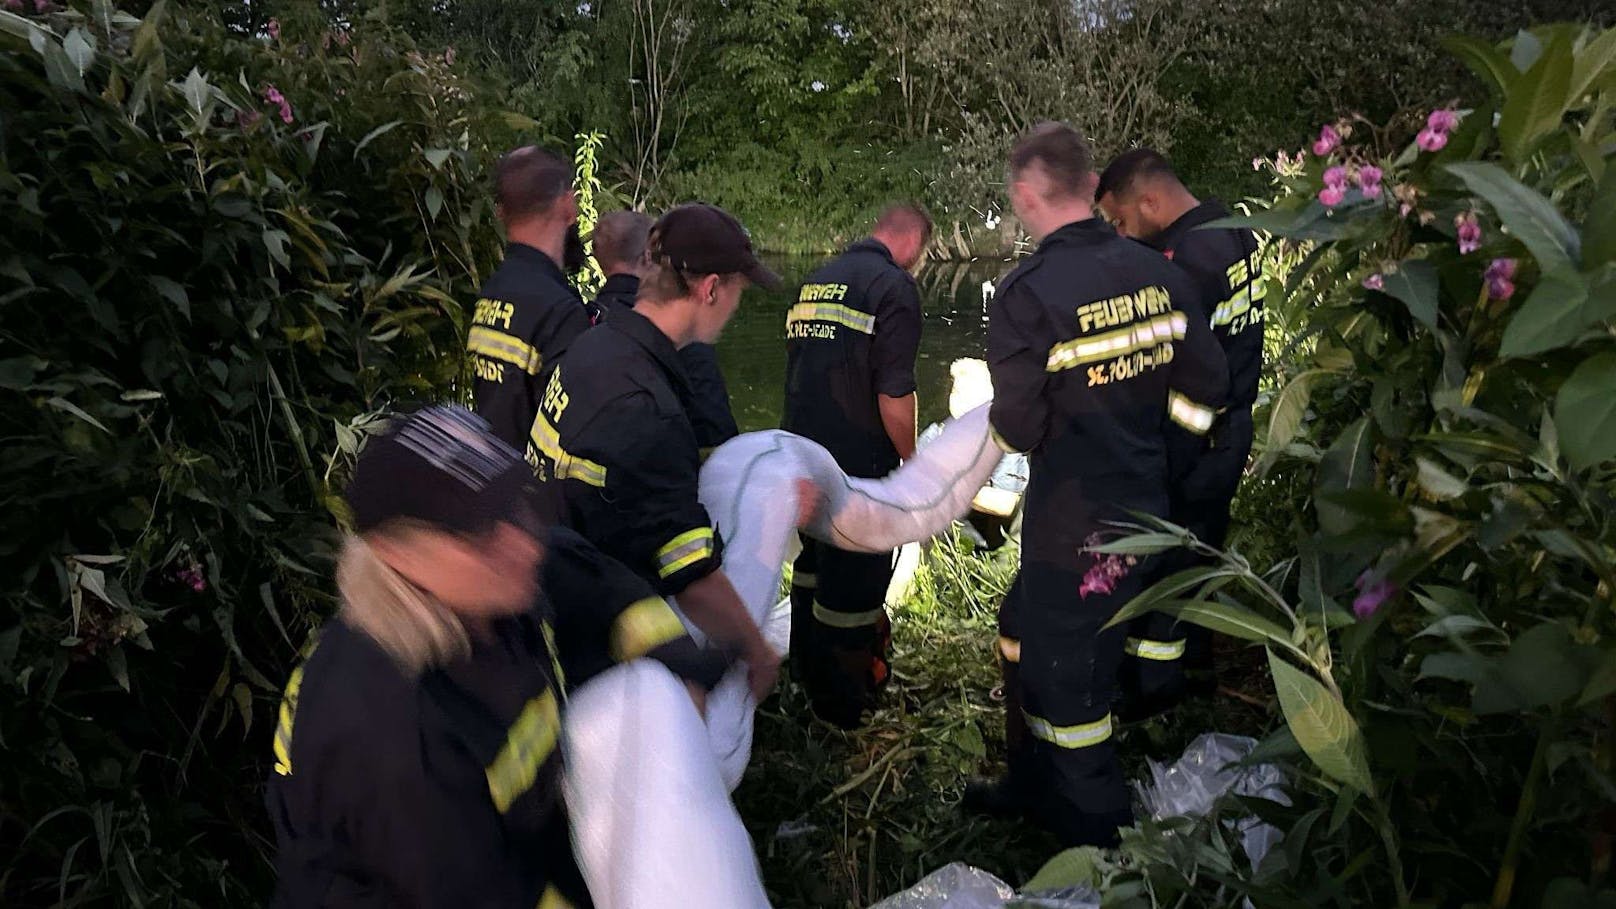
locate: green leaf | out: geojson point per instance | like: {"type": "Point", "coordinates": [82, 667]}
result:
{"type": "Point", "coordinates": [118, 665]}
{"type": "Point", "coordinates": [1602, 684]}
{"type": "Point", "coordinates": [1550, 318]}
{"type": "Point", "coordinates": [1140, 544]}
{"type": "Point", "coordinates": [1314, 222]}
{"type": "Point", "coordinates": [1438, 483]}
{"type": "Point", "coordinates": [80, 49]}
{"type": "Point", "coordinates": [1585, 412]}
{"type": "Point", "coordinates": [373, 134]}
{"type": "Point", "coordinates": [1458, 667]}
{"type": "Point", "coordinates": [1415, 284]}
{"type": "Point", "coordinates": [1321, 724]}
{"type": "Point", "coordinates": [1536, 102]}
{"type": "Point", "coordinates": [1073, 868]}
{"type": "Point", "coordinates": [197, 90]}
{"type": "Point", "coordinates": [275, 241]}
{"type": "Point", "coordinates": [1525, 51]}
{"type": "Point", "coordinates": [1227, 618]}
{"type": "Point", "coordinates": [1455, 626]}
{"type": "Point", "coordinates": [1543, 668]}
{"type": "Point", "coordinates": [434, 202]}
{"type": "Point", "coordinates": [1485, 60]}
{"type": "Point", "coordinates": [436, 156]}
{"type": "Point", "coordinates": [137, 395]}
{"type": "Point", "coordinates": [1599, 231]}
{"type": "Point", "coordinates": [1593, 62]}
{"type": "Point", "coordinates": [67, 406]}
{"type": "Point", "coordinates": [171, 291]}
{"type": "Point", "coordinates": [1285, 417]}
{"type": "Point", "coordinates": [1525, 214]}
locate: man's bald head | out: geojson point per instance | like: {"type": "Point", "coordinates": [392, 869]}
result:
{"type": "Point", "coordinates": [619, 241]}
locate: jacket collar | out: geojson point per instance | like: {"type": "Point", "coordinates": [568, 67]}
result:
{"type": "Point", "coordinates": [645, 333]}
{"type": "Point", "coordinates": [1086, 232]}
{"type": "Point", "coordinates": [521, 252]}
{"type": "Point", "coordinates": [622, 287]}
{"type": "Point", "coordinates": [1205, 213]}
{"type": "Point", "coordinates": [871, 244]}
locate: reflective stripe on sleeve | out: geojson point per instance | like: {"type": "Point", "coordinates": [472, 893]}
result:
{"type": "Point", "coordinates": [683, 551]}
{"type": "Point", "coordinates": [552, 899]}
{"type": "Point", "coordinates": [643, 627]}
{"type": "Point", "coordinates": [1142, 335]}
{"type": "Point", "coordinates": [1004, 445]}
{"type": "Point", "coordinates": [497, 345]}
{"type": "Point", "coordinates": [1188, 414]}
{"type": "Point", "coordinates": [529, 742]}
{"type": "Point", "coordinates": [831, 312]}
{"type": "Point", "coordinates": [1084, 735]}
{"type": "Point", "coordinates": [807, 580]}
{"type": "Point", "coordinates": [545, 438]}
{"type": "Point", "coordinates": [283, 727]}
{"type": "Point", "coordinates": [847, 619]}
{"type": "Point", "coordinates": [1146, 649]}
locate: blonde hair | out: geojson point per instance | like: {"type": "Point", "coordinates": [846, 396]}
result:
{"type": "Point", "coordinates": [415, 629]}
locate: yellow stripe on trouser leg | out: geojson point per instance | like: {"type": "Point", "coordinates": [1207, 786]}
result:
{"type": "Point", "coordinates": [552, 899]}
{"type": "Point", "coordinates": [807, 580]}
{"type": "Point", "coordinates": [1010, 649]}
{"type": "Point", "coordinates": [1146, 649]}
{"type": "Point", "coordinates": [847, 619]}
{"type": "Point", "coordinates": [643, 627]}
{"type": "Point", "coordinates": [1083, 735]}
{"type": "Point", "coordinates": [1188, 414]}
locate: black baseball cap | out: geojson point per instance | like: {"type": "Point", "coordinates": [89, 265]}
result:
{"type": "Point", "coordinates": [706, 240]}
{"type": "Point", "coordinates": [443, 466]}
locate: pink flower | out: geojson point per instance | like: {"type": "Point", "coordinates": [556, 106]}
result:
{"type": "Point", "coordinates": [1373, 592]}
{"type": "Point", "coordinates": [1376, 281]}
{"type": "Point", "coordinates": [1328, 141]}
{"type": "Point", "coordinates": [274, 29]}
{"type": "Point", "coordinates": [1500, 279]}
{"type": "Point", "coordinates": [13, 4]}
{"type": "Point", "coordinates": [41, 6]}
{"type": "Point", "coordinates": [1442, 121]}
{"type": "Point", "coordinates": [1256, 163]}
{"type": "Point", "coordinates": [1331, 196]}
{"type": "Point", "coordinates": [192, 577]}
{"type": "Point", "coordinates": [1430, 140]}
{"type": "Point", "coordinates": [274, 96]}
{"type": "Point", "coordinates": [1469, 233]}
{"type": "Point", "coordinates": [1369, 181]}
{"type": "Point", "coordinates": [1107, 570]}
{"type": "Point", "coordinates": [247, 119]}
{"type": "Point", "coordinates": [1336, 176]}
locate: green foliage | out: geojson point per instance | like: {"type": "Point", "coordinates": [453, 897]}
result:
{"type": "Point", "coordinates": [1442, 457]}
{"type": "Point", "coordinates": [207, 303]}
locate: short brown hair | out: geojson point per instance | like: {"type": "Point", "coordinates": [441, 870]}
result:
{"type": "Point", "coordinates": [619, 238]}
{"type": "Point", "coordinates": [905, 216]}
{"type": "Point", "coordinates": [1129, 168]}
{"type": "Point", "coordinates": [1060, 150]}
{"type": "Point", "coordinates": [529, 180]}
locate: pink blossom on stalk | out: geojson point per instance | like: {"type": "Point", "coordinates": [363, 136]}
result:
{"type": "Point", "coordinates": [1373, 592]}
{"type": "Point", "coordinates": [1430, 140]}
{"type": "Point", "coordinates": [1376, 281]}
{"type": "Point", "coordinates": [1336, 176]}
{"type": "Point", "coordinates": [1331, 196]}
{"type": "Point", "coordinates": [274, 29]}
{"type": "Point", "coordinates": [1442, 121]}
{"type": "Point", "coordinates": [13, 4]}
{"type": "Point", "coordinates": [1500, 277]}
{"type": "Point", "coordinates": [41, 6]}
{"type": "Point", "coordinates": [1369, 181]}
{"type": "Point", "coordinates": [274, 96]}
{"type": "Point", "coordinates": [1328, 141]}
{"type": "Point", "coordinates": [1469, 233]}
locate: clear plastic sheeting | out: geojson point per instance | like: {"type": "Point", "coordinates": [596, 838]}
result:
{"type": "Point", "coordinates": [1207, 771]}
{"type": "Point", "coordinates": [956, 886]}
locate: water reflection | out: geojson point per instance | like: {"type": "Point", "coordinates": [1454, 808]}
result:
{"type": "Point", "coordinates": [753, 354]}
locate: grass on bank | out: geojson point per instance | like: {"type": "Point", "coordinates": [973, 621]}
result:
{"type": "Point", "coordinates": [844, 819]}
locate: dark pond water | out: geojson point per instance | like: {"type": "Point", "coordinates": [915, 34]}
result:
{"type": "Point", "coordinates": [752, 351]}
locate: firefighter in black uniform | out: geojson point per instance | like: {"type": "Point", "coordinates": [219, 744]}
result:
{"type": "Point", "coordinates": [851, 341]}
{"type": "Point", "coordinates": [619, 241]}
{"type": "Point", "coordinates": [1143, 196]}
{"type": "Point", "coordinates": [416, 755]}
{"type": "Point", "coordinates": [527, 313]}
{"type": "Point", "coordinates": [1091, 342]}
{"type": "Point", "coordinates": [613, 435]}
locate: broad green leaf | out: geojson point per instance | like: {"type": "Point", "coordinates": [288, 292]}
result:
{"type": "Point", "coordinates": [1457, 667]}
{"type": "Point", "coordinates": [373, 134]}
{"type": "Point", "coordinates": [1438, 483]}
{"type": "Point", "coordinates": [1525, 51]}
{"type": "Point", "coordinates": [275, 241]}
{"type": "Point", "coordinates": [173, 292]}
{"type": "Point", "coordinates": [1485, 60]}
{"type": "Point", "coordinates": [1415, 284]}
{"type": "Point", "coordinates": [1599, 231]}
{"type": "Point", "coordinates": [1170, 587]}
{"type": "Point", "coordinates": [1140, 544]}
{"type": "Point", "coordinates": [1543, 668]}
{"type": "Point", "coordinates": [1550, 318]}
{"type": "Point", "coordinates": [1321, 724]}
{"type": "Point", "coordinates": [1525, 214]}
{"type": "Point", "coordinates": [1595, 61]}
{"type": "Point", "coordinates": [80, 49]}
{"type": "Point", "coordinates": [1537, 101]}
{"type": "Point", "coordinates": [434, 202]}
{"type": "Point", "coordinates": [1285, 417]}
{"type": "Point", "coordinates": [1349, 463]}
{"type": "Point", "coordinates": [16, 26]}
{"type": "Point", "coordinates": [1227, 618]}
{"type": "Point", "coordinates": [1314, 222]}
{"type": "Point", "coordinates": [436, 156]}
{"type": "Point", "coordinates": [197, 90]}
{"type": "Point", "coordinates": [1585, 412]}
{"type": "Point", "coordinates": [1455, 626]}
{"type": "Point", "coordinates": [1073, 868]}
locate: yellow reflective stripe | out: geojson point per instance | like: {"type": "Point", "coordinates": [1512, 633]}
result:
{"type": "Point", "coordinates": [552, 899]}
{"type": "Point", "coordinates": [530, 741]}
{"type": "Point", "coordinates": [1000, 441]}
{"type": "Point", "coordinates": [1084, 735]}
{"type": "Point", "coordinates": [684, 550]}
{"type": "Point", "coordinates": [1010, 649]}
{"type": "Point", "coordinates": [547, 440]}
{"type": "Point", "coordinates": [555, 660]}
{"type": "Point", "coordinates": [1188, 414]}
{"type": "Point", "coordinates": [1141, 335]}
{"type": "Point", "coordinates": [847, 619]}
{"type": "Point", "coordinates": [497, 345]}
{"type": "Point", "coordinates": [805, 579]}
{"type": "Point", "coordinates": [831, 312]}
{"type": "Point", "coordinates": [1146, 649]}
{"type": "Point", "coordinates": [643, 627]}
{"type": "Point", "coordinates": [283, 727]}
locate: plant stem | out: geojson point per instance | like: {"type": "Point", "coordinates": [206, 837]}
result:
{"type": "Point", "coordinates": [1387, 837]}
{"type": "Point", "coordinates": [1505, 884]}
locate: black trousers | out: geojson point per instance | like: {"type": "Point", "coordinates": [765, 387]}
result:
{"type": "Point", "coordinates": [1160, 650]}
{"type": "Point", "coordinates": [841, 636]}
{"type": "Point", "coordinates": [1060, 672]}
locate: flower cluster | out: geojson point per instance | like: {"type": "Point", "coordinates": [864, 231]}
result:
{"type": "Point", "coordinates": [1368, 180]}
{"type": "Point", "coordinates": [192, 577]}
{"type": "Point", "coordinates": [1373, 592]}
{"type": "Point", "coordinates": [1469, 232]}
{"type": "Point", "coordinates": [1335, 186]}
{"type": "Point", "coordinates": [1328, 141]}
{"type": "Point", "coordinates": [1500, 278]}
{"type": "Point", "coordinates": [1107, 570]}
{"type": "Point", "coordinates": [274, 96]}
{"type": "Point", "coordinates": [1376, 281]}
{"type": "Point", "coordinates": [1434, 137]}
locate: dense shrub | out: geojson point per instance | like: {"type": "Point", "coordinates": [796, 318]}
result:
{"type": "Point", "coordinates": [222, 256]}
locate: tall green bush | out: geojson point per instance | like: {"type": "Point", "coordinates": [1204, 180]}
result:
{"type": "Point", "coordinates": [223, 256]}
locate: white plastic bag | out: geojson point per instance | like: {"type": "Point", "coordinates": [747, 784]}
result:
{"type": "Point", "coordinates": [1191, 785]}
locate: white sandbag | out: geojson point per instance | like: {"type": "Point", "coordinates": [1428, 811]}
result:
{"type": "Point", "coordinates": [652, 821]}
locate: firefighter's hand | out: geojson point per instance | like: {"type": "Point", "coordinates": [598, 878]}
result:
{"type": "Point", "coordinates": [762, 670]}
{"type": "Point", "coordinates": [809, 503]}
